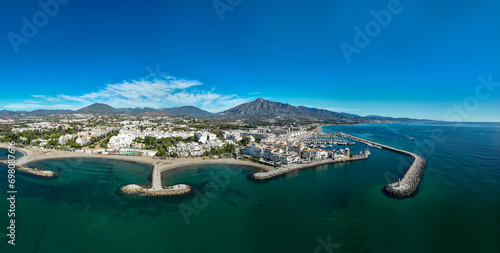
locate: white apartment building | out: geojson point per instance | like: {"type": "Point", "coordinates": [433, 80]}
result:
{"type": "Point", "coordinates": [65, 138]}
{"type": "Point", "coordinates": [204, 136]}
{"type": "Point", "coordinates": [121, 141]}
{"type": "Point", "coordinates": [82, 140]}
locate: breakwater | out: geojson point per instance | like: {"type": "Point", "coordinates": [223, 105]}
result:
{"type": "Point", "coordinates": [37, 172]}
{"type": "Point", "coordinates": [178, 189]}
{"type": "Point", "coordinates": [294, 167]}
{"type": "Point", "coordinates": [156, 187]}
{"type": "Point", "coordinates": [33, 171]}
{"type": "Point", "coordinates": [410, 181]}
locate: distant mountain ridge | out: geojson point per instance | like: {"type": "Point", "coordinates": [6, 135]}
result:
{"type": "Point", "coordinates": [186, 110]}
{"type": "Point", "coordinates": [98, 108]}
{"type": "Point", "coordinates": [264, 109]}
{"type": "Point", "coordinates": [104, 109]}
{"type": "Point", "coordinates": [259, 109]}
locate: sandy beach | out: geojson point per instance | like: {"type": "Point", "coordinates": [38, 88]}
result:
{"type": "Point", "coordinates": [318, 129]}
{"type": "Point", "coordinates": [37, 154]}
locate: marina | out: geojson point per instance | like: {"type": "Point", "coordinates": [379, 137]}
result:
{"type": "Point", "coordinates": [404, 187]}
{"type": "Point", "coordinates": [326, 140]}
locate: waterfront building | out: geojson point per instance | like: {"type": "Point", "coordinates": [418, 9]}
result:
{"type": "Point", "coordinates": [121, 140]}
{"type": "Point", "coordinates": [82, 140]}
{"type": "Point", "coordinates": [63, 139]}
{"type": "Point", "coordinates": [255, 150]}
{"type": "Point", "coordinates": [268, 152]}
{"type": "Point", "coordinates": [289, 157]}
{"type": "Point", "coordinates": [204, 136]}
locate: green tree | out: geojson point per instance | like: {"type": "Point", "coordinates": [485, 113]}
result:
{"type": "Point", "coordinates": [245, 141]}
{"type": "Point", "coordinates": [161, 152]}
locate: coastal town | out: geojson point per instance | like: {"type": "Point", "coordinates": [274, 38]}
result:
{"type": "Point", "coordinates": [179, 137]}
{"type": "Point", "coordinates": [275, 147]}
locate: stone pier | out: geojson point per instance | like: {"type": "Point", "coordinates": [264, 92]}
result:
{"type": "Point", "coordinates": [156, 178]}
{"type": "Point", "coordinates": [156, 187]}
{"type": "Point", "coordinates": [410, 181]}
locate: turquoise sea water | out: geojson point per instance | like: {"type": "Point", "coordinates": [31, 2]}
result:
{"type": "Point", "coordinates": [5, 152]}
{"type": "Point", "coordinates": [456, 209]}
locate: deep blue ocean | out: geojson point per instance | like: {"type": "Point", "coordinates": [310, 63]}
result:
{"type": "Point", "coordinates": [330, 208]}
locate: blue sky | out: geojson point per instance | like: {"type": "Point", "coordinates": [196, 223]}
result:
{"type": "Point", "coordinates": [424, 62]}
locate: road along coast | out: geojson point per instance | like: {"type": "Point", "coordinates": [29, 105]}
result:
{"type": "Point", "coordinates": [410, 181]}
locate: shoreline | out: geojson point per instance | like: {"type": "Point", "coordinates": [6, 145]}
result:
{"type": "Point", "coordinates": [412, 177]}
{"type": "Point", "coordinates": [35, 154]}
{"type": "Point", "coordinates": [404, 187]}
{"type": "Point", "coordinates": [158, 166]}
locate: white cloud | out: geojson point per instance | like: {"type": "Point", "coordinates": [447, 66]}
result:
{"type": "Point", "coordinates": [49, 98]}
{"type": "Point", "coordinates": [155, 91]}
{"type": "Point", "coordinates": [71, 98]}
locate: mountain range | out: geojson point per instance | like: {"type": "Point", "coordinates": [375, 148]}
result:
{"type": "Point", "coordinates": [259, 109]}
{"type": "Point", "coordinates": [104, 109]}
{"type": "Point", "coordinates": [265, 109]}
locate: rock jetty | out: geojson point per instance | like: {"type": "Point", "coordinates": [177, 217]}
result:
{"type": "Point", "coordinates": [410, 181]}
{"type": "Point", "coordinates": [294, 167]}
{"type": "Point", "coordinates": [37, 172]}
{"type": "Point", "coordinates": [178, 189]}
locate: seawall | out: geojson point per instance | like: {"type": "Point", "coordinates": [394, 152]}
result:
{"type": "Point", "coordinates": [295, 167]}
{"type": "Point", "coordinates": [410, 181]}
{"type": "Point", "coordinates": [33, 171]}
{"type": "Point", "coordinates": [178, 189]}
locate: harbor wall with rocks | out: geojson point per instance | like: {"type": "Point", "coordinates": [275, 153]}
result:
{"type": "Point", "coordinates": [410, 181]}
{"type": "Point", "coordinates": [33, 171]}
{"type": "Point", "coordinates": [295, 167]}
{"type": "Point", "coordinates": [37, 172]}
{"type": "Point", "coordinates": [178, 189]}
